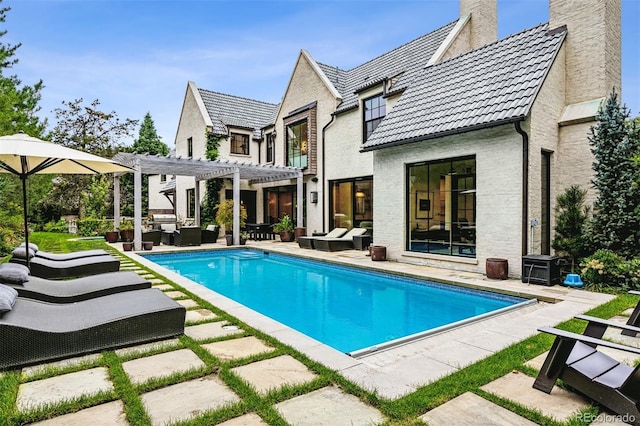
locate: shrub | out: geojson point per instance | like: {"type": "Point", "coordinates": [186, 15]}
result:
{"type": "Point", "coordinates": [605, 270]}
{"type": "Point", "coordinates": [91, 226]}
{"type": "Point", "coordinates": [60, 226]}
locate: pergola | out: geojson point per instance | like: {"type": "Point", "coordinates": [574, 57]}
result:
{"type": "Point", "coordinates": [200, 169]}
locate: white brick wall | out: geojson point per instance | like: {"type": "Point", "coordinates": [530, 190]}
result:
{"type": "Point", "coordinates": [499, 169]}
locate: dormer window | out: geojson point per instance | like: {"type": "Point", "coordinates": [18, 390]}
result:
{"type": "Point", "coordinates": [239, 144]}
{"type": "Point", "coordinates": [375, 108]}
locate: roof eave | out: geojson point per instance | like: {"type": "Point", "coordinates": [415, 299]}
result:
{"type": "Point", "coordinates": [445, 133]}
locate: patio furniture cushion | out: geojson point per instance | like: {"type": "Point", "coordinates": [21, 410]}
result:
{"type": "Point", "coordinates": [19, 252]}
{"type": "Point", "coordinates": [22, 252]}
{"type": "Point", "coordinates": [169, 227]}
{"type": "Point", "coordinates": [13, 273]}
{"type": "Point", "coordinates": [7, 298]}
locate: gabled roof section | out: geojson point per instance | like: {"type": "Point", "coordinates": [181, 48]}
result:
{"type": "Point", "coordinates": [489, 86]}
{"type": "Point", "coordinates": [233, 111]}
{"type": "Point", "coordinates": [403, 63]}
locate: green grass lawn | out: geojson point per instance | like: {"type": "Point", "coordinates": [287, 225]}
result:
{"type": "Point", "coordinates": [403, 411]}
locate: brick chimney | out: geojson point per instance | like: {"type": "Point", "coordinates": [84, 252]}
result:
{"type": "Point", "coordinates": [593, 46]}
{"type": "Point", "coordinates": [484, 21]}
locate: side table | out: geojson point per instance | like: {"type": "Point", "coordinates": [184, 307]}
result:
{"type": "Point", "coordinates": [361, 242]}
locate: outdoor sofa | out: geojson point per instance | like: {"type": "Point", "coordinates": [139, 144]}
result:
{"type": "Point", "coordinates": [336, 244]}
{"type": "Point", "coordinates": [187, 236]}
{"type": "Point", "coordinates": [33, 331]}
{"type": "Point", "coordinates": [576, 360]}
{"type": "Point", "coordinates": [68, 291]}
{"type": "Point", "coordinates": [308, 242]}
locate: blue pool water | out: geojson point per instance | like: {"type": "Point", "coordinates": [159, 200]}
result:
{"type": "Point", "coordinates": [346, 308]}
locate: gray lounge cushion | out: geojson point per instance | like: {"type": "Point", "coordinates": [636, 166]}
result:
{"type": "Point", "coordinates": [13, 273]}
{"type": "Point", "coordinates": [21, 252]}
{"type": "Point", "coordinates": [7, 298]}
{"type": "Point", "coordinates": [32, 246]}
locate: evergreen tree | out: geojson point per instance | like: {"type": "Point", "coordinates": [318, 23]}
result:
{"type": "Point", "coordinates": [616, 220]}
{"type": "Point", "coordinates": [571, 216]}
{"type": "Point", "coordinates": [148, 142]}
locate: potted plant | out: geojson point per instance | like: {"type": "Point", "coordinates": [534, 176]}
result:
{"type": "Point", "coordinates": [126, 230]}
{"type": "Point", "coordinates": [285, 228]}
{"type": "Point", "coordinates": [111, 236]}
{"type": "Point", "coordinates": [224, 216]}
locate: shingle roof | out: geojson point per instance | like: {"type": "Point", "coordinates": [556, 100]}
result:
{"type": "Point", "coordinates": [227, 110]}
{"type": "Point", "coordinates": [405, 60]}
{"type": "Point", "coordinates": [492, 85]}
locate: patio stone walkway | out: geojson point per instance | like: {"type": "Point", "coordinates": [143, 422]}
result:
{"type": "Point", "coordinates": [392, 373]}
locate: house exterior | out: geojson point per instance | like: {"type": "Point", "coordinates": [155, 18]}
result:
{"type": "Point", "coordinates": [451, 147]}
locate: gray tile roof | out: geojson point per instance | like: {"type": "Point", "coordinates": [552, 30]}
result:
{"type": "Point", "coordinates": [406, 60]}
{"type": "Point", "coordinates": [227, 110]}
{"type": "Point", "coordinates": [492, 85]}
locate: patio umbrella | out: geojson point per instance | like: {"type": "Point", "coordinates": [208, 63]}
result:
{"type": "Point", "coordinates": [23, 155]}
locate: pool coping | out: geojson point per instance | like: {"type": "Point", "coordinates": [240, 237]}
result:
{"type": "Point", "coordinates": [400, 370]}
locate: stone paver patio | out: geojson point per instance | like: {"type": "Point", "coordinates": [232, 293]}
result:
{"type": "Point", "coordinates": [391, 373]}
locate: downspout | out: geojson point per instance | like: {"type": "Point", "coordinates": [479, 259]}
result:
{"type": "Point", "coordinates": [333, 117]}
{"type": "Point", "coordinates": [525, 186]}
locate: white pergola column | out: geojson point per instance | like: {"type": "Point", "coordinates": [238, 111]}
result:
{"type": "Point", "coordinates": [236, 206]}
{"type": "Point", "coordinates": [137, 207]}
{"type": "Point", "coordinates": [116, 202]}
{"type": "Point", "coordinates": [197, 202]}
{"type": "Point", "coordinates": [300, 195]}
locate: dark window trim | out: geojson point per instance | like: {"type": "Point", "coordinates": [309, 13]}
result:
{"type": "Point", "coordinates": [231, 143]}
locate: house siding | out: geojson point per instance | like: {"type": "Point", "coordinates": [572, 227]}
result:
{"type": "Point", "coordinates": [306, 87]}
{"type": "Point", "coordinates": [499, 200]}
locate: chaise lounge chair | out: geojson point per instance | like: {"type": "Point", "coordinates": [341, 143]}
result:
{"type": "Point", "coordinates": [335, 244]}
{"type": "Point", "coordinates": [81, 267]}
{"type": "Point", "coordinates": [69, 291]}
{"type": "Point", "coordinates": [35, 331]}
{"type": "Point", "coordinates": [634, 319]}
{"type": "Point", "coordinates": [307, 242]}
{"type": "Point", "coordinates": [20, 252]}
{"type": "Point", "coordinates": [575, 360]}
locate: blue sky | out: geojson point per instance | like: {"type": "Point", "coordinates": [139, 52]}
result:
{"type": "Point", "coordinates": [136, 56]}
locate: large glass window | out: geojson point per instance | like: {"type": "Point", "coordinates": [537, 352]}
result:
{"type": "Point", "coordinates": [442, 207]}
{"type": "Point", "coordinates": [352, 203]}
{"type": "Point", "coordinates": [239, 144]}
{"type": "Point", "coordinates": [375, 109]}
{"type": "Point", "coordinates": [297, 144]}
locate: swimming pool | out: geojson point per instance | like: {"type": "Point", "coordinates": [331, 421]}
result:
{"type": "Point", "coordinates": [353, 310]}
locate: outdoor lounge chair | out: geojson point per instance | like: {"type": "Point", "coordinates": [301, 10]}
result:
{"type": "Point", "coordinates": [20, 252]}
{"type": "Point", "coordinates": [307, 242]}
{"type": "Point", "coordinates": [634, 319]}
{"type": "Point", "coordinates": [210, 234]}
{"type": "Point", "coordinates": [187, 236]}
{"type": "Point", "coordinates": [76, 290]}
{"type": "Point", "coordinates": [35, 331]}
{"type": "Point", "coordinates": [81, 267]}
{"type": "Point", "coordinates": [575, 360]}
{"type": "Point", "coordinates": [335, 244]}
{"type": "Point", "coordinates": [153, 235]}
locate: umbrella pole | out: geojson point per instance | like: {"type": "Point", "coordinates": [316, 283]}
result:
{"type": "Point", "coordinates": [26, 220]}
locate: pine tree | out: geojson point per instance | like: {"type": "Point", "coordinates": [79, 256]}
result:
{"type": "Point", "coordinates": [148, 141]}
{"type": "Point", "coordinates": [616, 221]}
{"type": "Point", "coordinates": [571, 216]}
